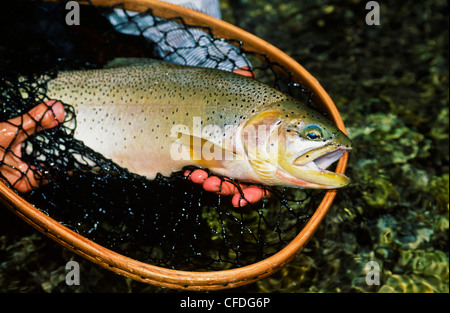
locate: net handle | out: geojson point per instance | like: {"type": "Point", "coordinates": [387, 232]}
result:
{"type": "Point", "coordinates": [176, 279]}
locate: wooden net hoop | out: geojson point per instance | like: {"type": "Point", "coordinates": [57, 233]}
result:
{"type": "Point", "coordinates": [186, 280]}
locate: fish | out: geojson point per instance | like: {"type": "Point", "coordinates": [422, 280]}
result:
{"type": "Point", "coordinates": [151, 117]}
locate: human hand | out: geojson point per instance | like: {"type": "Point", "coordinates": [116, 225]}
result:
{"type": "Point", "coordinates": [19, 174]}
{"type": "Point", "coordinates": [250, 194]}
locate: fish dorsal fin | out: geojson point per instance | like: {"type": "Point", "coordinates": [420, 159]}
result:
{"type": "Point", "coordinates": [126, 62]}
{"type": "Point", "coordinates": [206, 153]}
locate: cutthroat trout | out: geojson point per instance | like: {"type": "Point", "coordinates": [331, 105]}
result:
{"type": "Point", "coordinates": [154, 117]}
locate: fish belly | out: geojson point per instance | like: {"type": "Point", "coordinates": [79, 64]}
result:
{"type": "Point", "coordinates": [129, 135]}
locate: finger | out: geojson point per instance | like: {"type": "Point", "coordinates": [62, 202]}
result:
{"type": "Point", "coordinates": [244, 71]}
{"type": "Point", "coordinates": [55, 115]}
{"type": "Point", "coordinates": [216, 185]}
{"type": "Point", "coordinates": [29, 179]}
{"type": "Point", "coordinates": [252, 194]}
{"type": "Point", "coordinates": [45, 115]}
{"type": "Point", "coordinates": [212, 184]}
{"type": "Point", "coordinates": [21, 176]}
{"type": "Point", "coordinates": [197, 176]}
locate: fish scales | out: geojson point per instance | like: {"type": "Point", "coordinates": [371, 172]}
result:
{"type": "Point", "coordinates": [134, 113]}
{"type": "Point", "coordinates": [134, 108]}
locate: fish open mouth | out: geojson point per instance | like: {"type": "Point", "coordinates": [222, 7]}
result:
{"type": "Point", "coordinates": [318, 160]}
{"type": "Point", "coordinates": [310, 169]}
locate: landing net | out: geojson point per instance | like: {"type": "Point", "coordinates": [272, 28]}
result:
{"type": "Point", "coordinates": [170, 221]}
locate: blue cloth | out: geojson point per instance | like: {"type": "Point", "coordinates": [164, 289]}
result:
{"type": "Point", "coordinates": [177, 44]}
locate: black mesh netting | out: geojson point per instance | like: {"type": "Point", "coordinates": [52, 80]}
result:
{"type": "Point", "coordinates": [169, 222]}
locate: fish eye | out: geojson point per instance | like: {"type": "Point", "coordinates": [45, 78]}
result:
{"type": "Point", "coordinates": [313, 132]}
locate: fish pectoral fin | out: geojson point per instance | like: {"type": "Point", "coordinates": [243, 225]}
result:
{"type": "Point", "coordinates": [206, 153]}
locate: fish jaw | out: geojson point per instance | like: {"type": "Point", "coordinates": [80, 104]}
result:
{"type": "Point", "coordinates": [283, 158]}
{"type": "Point", "coordinates": [313, 173]}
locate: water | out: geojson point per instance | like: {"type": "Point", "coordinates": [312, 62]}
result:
{"type": "Point", "coordinates": [390, 84]}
